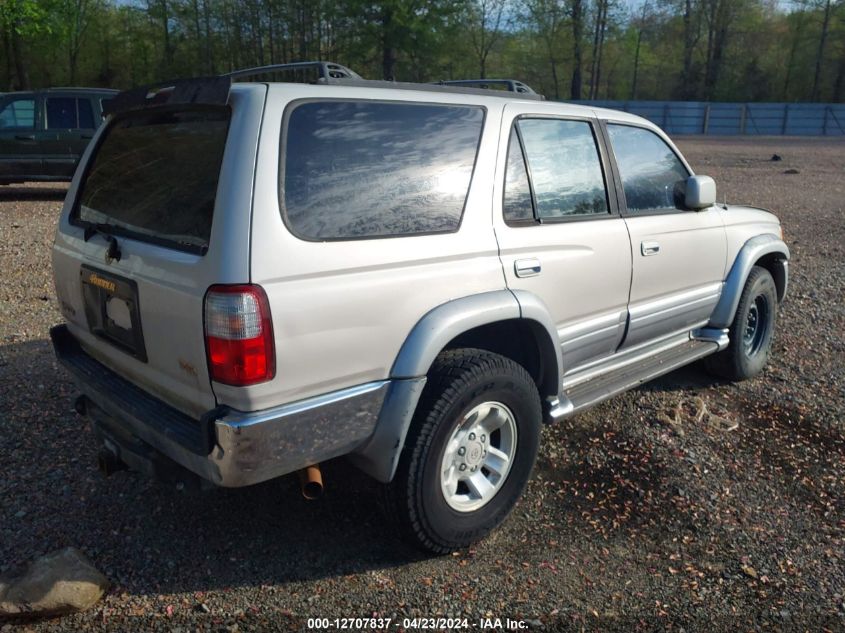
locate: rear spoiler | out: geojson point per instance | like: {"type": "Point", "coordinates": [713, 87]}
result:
{"type": "Point", "coordinates": [195, 91]}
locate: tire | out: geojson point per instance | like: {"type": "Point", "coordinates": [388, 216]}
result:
{"type": "Point", "coordinates": [752, 331]}
{"type": "Point", "coordinates": [467, 392]}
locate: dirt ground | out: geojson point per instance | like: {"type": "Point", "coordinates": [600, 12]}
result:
{"type": "Point", "coordinates": [641, 515]}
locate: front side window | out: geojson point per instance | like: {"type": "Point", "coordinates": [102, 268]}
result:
{"type": "Point", "coordinates": [18, 115]}
{"type": "Point", "coordinates": [565, 168]}
{"type": "Point", "coordinates": [652, 175]}
{"type": "Point", "coordinates": [363, 169]}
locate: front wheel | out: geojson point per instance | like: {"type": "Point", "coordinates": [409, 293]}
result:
{"type": "Point", "coordinates": [469, 452]}
{"type": "Point", "coordinates": [751, 332]}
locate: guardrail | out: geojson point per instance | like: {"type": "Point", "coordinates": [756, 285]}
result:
{"type": "Point", "coordinates": [698, 117]}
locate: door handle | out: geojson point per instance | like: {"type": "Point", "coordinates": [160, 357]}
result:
{"type": "Point", "coordinates": [649, 248]}
{"type": "Point", "coordinates": [25, 137]}
{"type": "Point", "coordinates": [527, 267]}
{"type": "Point", "coordinates": [85, 136]}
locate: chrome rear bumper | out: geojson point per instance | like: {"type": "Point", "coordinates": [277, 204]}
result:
{"type": "Point", "coordinates": [227, 447]}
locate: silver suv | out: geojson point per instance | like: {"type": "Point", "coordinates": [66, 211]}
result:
{"type": "Point", "coordinates": [258, 276]}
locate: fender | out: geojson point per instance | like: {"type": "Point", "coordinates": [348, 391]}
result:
{"type": "Point", "coordinates": [379, 456]}
{"type": "Point", "coordinates": [749, 254]}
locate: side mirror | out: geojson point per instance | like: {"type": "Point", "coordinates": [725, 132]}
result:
{"type": "Point", "coordinates": [701, 192]}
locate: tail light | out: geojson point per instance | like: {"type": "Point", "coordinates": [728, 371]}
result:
{"type": "Point", "coordinates": [239, 335]}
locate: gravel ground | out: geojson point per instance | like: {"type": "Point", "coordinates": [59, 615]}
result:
{"type": "Point", "coordinates": [642, 514]}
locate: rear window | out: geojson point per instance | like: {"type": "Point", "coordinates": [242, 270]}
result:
{"type": "Point", "coordinates": [368, 169]}
{"type": "Point", "coordinates": [154, 177]}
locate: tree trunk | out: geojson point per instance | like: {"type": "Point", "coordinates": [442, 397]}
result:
{"type": "Point", "coordinates": [270, 33]}
{"type": "Point", "coordinates": [21, 71]}
{"type": "Point", "coordinates": [388, 50]}
{"type": "Point", "coordinates": [839, 84]}
{"type": "Point", "coordinates": [599, 5]}
{"type": "Point", "coordinates": [602, 30]}
{"type": "Point", "coordinates": [577, 55]}
{"type": "Point", "coordinates": [257, 34]}
{"type": "Point", "coordinates": [686, 89]}
{"type": "Point", "coordinates": [820, 53]}
{"type": "Point", "coordinates": [7, 51]}
{"type": "Point", "coordinates": [209, 49]}
{"type": "Point", "coordinates": [717, 42]}
{"type": "Point", "coordinates": [636, 64]}
{"type": "Point", "coordinates": [168, 54]}
{"type": "Point", "coordinates": [792, 50]}
{"type": "Point", "coordinates": [196, 10]}
{"type": "Point", "coordinates": [303, 39]}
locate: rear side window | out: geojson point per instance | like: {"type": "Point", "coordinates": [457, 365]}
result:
{"type": "Point", "coordinates": [368, 169]}
{"type": "Point", "coordinates": [86, 114]}
{"type": "Point", "coordinates": [518, 205]}
{"type": "Point", "coordinates": [565, 168]}
{"type": "Point", "coordinates": [154, 177]}
{"type": "Point", "coordinates": [653, 177]}
{"type": "Point", "coordinates": [69, 113]}
{"type": "Point", "coordinates": [18, 114]}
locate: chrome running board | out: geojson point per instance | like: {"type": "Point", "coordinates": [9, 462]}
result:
{"type": "Point", "coordinates": [601, 383]}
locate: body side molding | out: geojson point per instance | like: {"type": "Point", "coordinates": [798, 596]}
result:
{"type": "Point", "coordinates": [751, 252]}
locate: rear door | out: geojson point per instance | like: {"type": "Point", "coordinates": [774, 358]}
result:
{"type": "Point", "coordinates": [159, 212]}
{"type": "Point", "coordinates": [19, 150]}
{"type": "Point", "coordinates": [678, 254]}
{"type": "Point", "coordinates": [69, 126]}
{"type": "Point", "coordinates": [559, 234]}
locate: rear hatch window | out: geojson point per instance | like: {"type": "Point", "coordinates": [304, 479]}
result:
{"type": "Point", "coordinates": [154, 177]}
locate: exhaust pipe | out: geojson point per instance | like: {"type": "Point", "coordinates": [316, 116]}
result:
{"type": "Point", "coordinates": [311, 481]}
{"type": "Point", "coordinates": [109, 463]}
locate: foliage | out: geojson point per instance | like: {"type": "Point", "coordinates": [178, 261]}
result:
{"type": "Point", "coordinates": [609, 49]}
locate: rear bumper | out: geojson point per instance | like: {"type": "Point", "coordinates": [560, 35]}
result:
{"type": "Point", "coordinates": [227, 447]}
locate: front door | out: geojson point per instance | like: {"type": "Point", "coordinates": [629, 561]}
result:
{"type": "Point", "coordinates": [20, 155]}
{"type": "Point", "coordinates": [559, 234]}
{"type": "Point", "coordinates": [678, 254]}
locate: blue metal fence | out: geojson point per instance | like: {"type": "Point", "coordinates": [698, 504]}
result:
{"type": "Point", "coordinates": [697, 117]}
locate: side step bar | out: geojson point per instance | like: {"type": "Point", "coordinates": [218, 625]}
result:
{"type": "Point", "coordinates": [602, 386]}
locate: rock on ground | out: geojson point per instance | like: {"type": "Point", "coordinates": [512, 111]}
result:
{"type": "Point", "coordinates": [62, 582]}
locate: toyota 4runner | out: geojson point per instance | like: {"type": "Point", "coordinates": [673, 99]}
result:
{"type": "Point", "coordinates": [258, 276]}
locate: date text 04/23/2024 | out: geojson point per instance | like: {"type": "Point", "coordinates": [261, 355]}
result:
{"type": "Point", "coordinates": [410, 624]}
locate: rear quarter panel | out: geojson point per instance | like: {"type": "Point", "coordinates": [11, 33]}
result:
{"type": "Point", "coordinates": [342, 309]}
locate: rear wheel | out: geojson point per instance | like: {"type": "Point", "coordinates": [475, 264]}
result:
{"type": "Point", "coordinates": [469, 452]}
{"type": "Point", "coordinates": [751, 332]}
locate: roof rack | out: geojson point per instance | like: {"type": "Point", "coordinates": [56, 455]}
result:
{"type": "Point", "coordinates": [215, 90]}
{"type": "Point", "coordinates": [328, 71]}
{"type": "Point", "coordinates": [510, 85]}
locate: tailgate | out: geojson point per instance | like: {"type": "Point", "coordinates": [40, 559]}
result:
{"type": "Point", "coordinates": [158, 212]}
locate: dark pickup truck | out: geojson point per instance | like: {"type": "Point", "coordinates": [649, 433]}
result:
{"type": "Point", "coordinates": [44, 133]}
